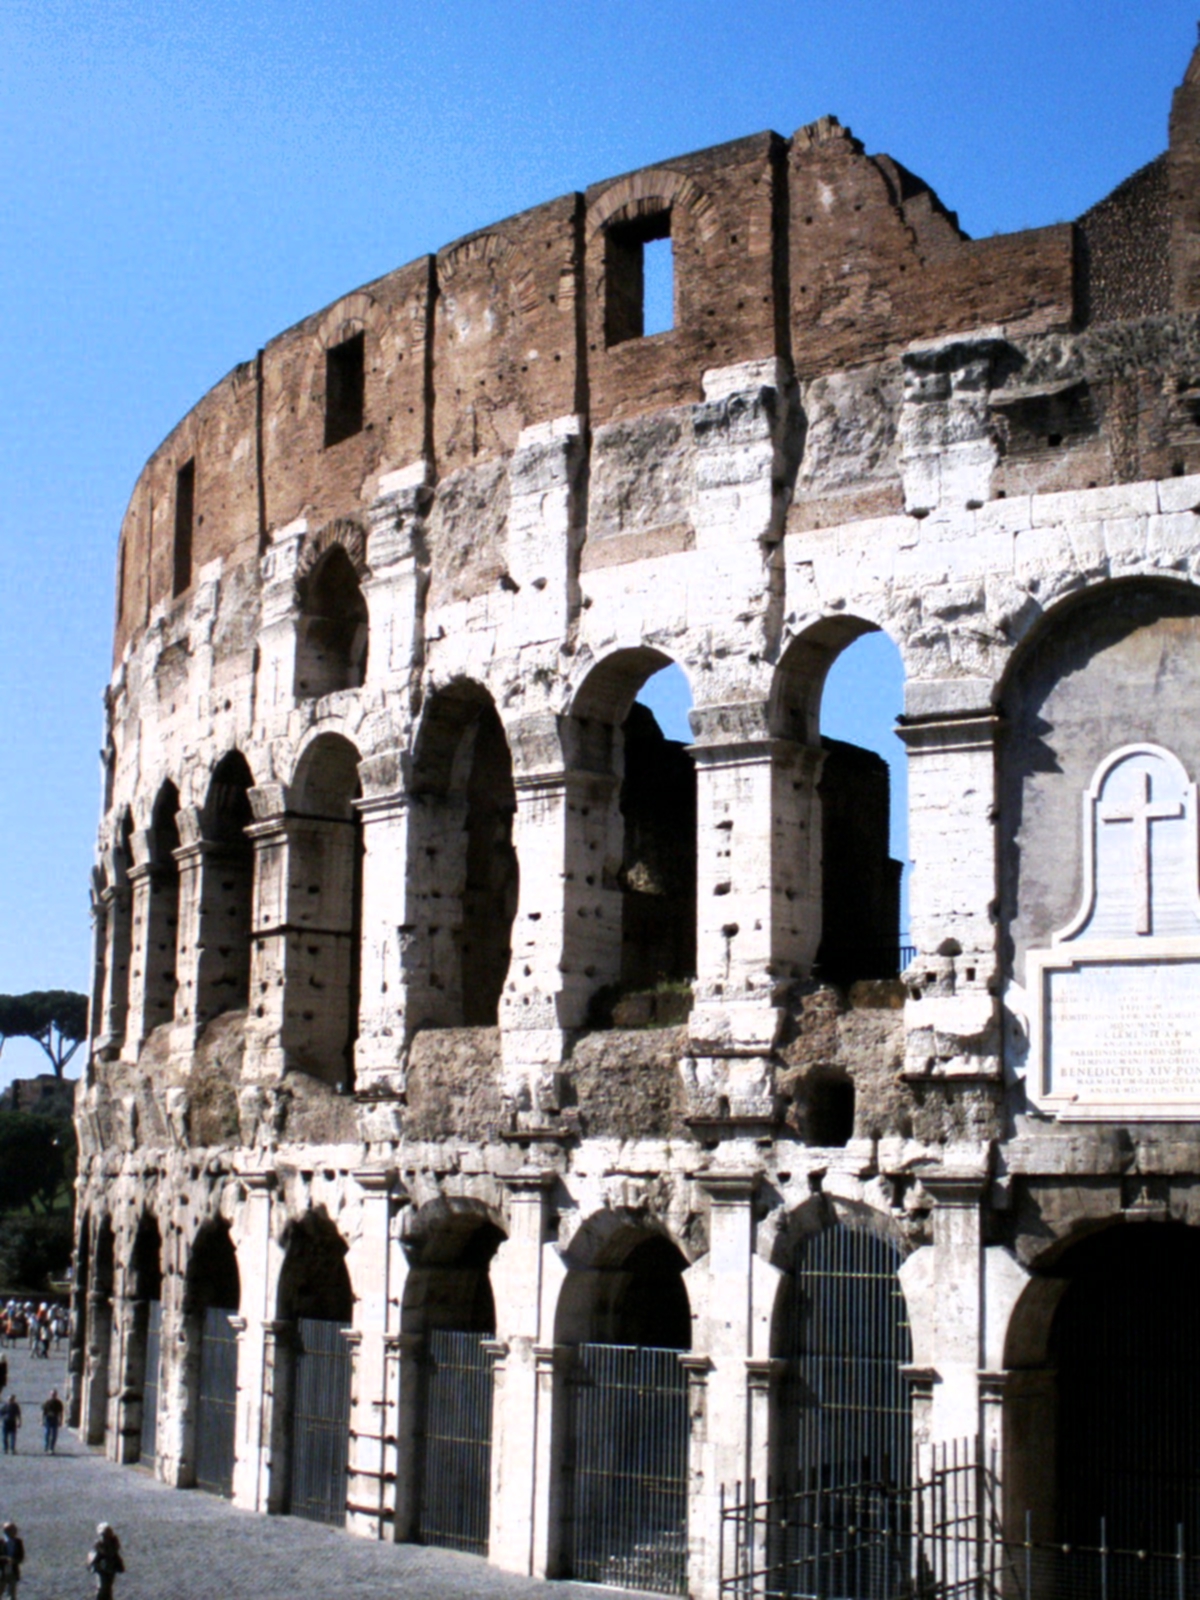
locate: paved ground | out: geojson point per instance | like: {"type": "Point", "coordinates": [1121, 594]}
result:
{"type": "Point", "coordinates": [184, 1545]}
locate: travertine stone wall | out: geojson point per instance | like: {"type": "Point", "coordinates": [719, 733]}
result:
{"type": "Point", "coordinates": [860, 420]}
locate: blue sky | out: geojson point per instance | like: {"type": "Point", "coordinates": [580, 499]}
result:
{"type": "Point", "coordinates": [179, 184]}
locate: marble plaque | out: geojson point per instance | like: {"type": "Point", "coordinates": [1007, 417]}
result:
{"type": "Point", "coordinates": [1115, 1000]}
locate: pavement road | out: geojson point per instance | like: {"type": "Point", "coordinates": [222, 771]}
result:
{"type": "Point", "coordinates": [184, 1545]}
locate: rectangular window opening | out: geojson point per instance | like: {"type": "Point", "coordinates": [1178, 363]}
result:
{"type": "Point", "coordinates": [344, 390]}
{"type": "Point", "coordinates": [639, 278]}
{"type": "Point", "coordinates": [185, 509]}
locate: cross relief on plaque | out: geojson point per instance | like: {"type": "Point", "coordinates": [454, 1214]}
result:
{"type": "Point", "coordinates": [1115, 999]}
{"type": "Point", "coordinates": [1139, 842]}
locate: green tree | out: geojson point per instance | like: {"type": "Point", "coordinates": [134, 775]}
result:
{"type": "Point", "coordinates": [35, 1154]}
{"type": "Point", "coordinates": [55, 1018]}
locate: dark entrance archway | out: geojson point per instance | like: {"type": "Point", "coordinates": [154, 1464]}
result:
{"type": "Point", "coordinates": [1128, 1360]}
{"type": "Point", "coordinates": [450, 1315]}
{"type": "Point", "coordinates": [625, 1504]}
{"type": "Point", "coordinates": [210, 1338]}
{"type": "Point", "coordinates": [312, 1373]}
{"type": "Point", "coordinates": [841, 1326]}
{"type": "Point", "coordinates": [144, 1352]}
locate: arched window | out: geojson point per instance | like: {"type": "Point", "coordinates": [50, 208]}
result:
{"type": "Point", "coordinates": [840, 689]}
{"type": "Point", "coordinates": [223, 943]}
{"type": "Point", "coordinates": [323, 947]}
{"type": "Point", "coordinates": [331, 640]}
{"type": "Point", "coordinates": [158, 904]}
{"type": "Point", "coordinates": [462, 865]}
{"type": "Point", "coordinates": [633, 842]}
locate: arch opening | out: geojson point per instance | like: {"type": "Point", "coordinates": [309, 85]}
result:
{"type": "Point", "coordinates": [310, 1417]}
{"type": "Point", "coordinates": [225, 911]}
{"type": "Point", "coordinates": [843, 1414]}
{"type": "Point", "coordinates": [332, 632]}
{"type": "Point", "coordinates": [212, 1298]}
{"type": "Point", "coordinates": [118, 930]}
{"type": "Point", "coordinates": [143, 1354]}
{"type": "Point", "coordinates": [633, 839]}
{"type": "Point", "coordinates": [840, 689]}
{"type": "Point", "coordinates": [98, 1348]}
{"type": "Point", "coordinates": [160, 910]}
{"type": "Point", "coordinates": [462, 863]}
{"type": "Point", "coordinates": [623, 1404]}
{"type": "Point", "coordinates": [1103, 1395]}
{"type": "Point", "coordinates": [449, 1314]}
{"type": "Point", "coordinates": [323, 945]}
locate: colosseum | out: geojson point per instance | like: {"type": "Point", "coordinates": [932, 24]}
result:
{"type": "Point", "coordinates": [509, 1128]}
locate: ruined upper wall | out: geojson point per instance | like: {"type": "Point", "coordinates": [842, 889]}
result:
{"type": "Point", "coordinates": [806, 251]}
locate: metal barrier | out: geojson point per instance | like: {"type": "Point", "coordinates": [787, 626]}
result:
{"type": "Point", "coordinates": [148, 1449]}
{"type": "Point", "coordinates": [216, 1403]}
{"type": "Point", "coordinates": [939, 1539]}
{"type": "Point", "coordinates": [320, 1422]}
{"type": "Point", "coordinates": [457, 1465]}
{"type": "Point", "coordinates": [629, 1439]}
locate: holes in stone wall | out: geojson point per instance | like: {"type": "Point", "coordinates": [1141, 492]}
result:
{"type": "Point", "coordinates": [344, 390]}
{"type": "Point", "coordinates": [639, 278]}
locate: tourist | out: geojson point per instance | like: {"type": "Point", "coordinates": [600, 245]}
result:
{"type": "Point", "coordinates": [12, 1554]}
{"type": "Point", "coordinates": [52, 1416]}
{"type": "Point", "coordinates": [10, 1422]}
{"type": "Point", "coordinates": [104, 1561]}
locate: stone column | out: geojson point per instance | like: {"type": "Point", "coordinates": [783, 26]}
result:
{"type": "Point", "coordinates": [950, 731]}
{"type": "Point", "coordinates": [408, 1349]}
{"type": "Point", "coordinates": [516, 1274]}
{"type": "Point", "coordinates": [124, 1442]}
{"type": "Point", "coordinates": [552, 1369]}
{"type": "Point", "coordinates": [399, 575]}
{"type": "Point", "coordinates": [758, 888]}
{"type": "Point", "coordinates": [720, 1428]}
{"type": "Point", "coordinates": [566, 936]}
{"type": "Point", "coordinates": [274, 1442]}
{"type": "Point", "coordinates": [258, 1267]}
{"type": "Point", "coordinates": [155, 911]}
{"type": "Point", "coordinates": [384, 1009]}
{"type": "Point", "coordinates": [96, 1379]}
{"type": "Point", "coordinates": [114, 1001]}
{"type": "Point", "coordinates": [214, 933]}
{"type": "Point", "coordinates": [370, 1477]}
{"type": "Point", "coordinates": [957, 1300]}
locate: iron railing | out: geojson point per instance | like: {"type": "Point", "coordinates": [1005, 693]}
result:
{"type": "Point", "coordinates": [629, 1437]}
{"type": "Point", "coordinates": [150, 1384]}
{"type": "Point", "coordinates": [216, 1404]}
{"type": "Point", "coordinates": [320, 1422]}
{"type": "Point", "coordinates": [457, 1465]}
{"type": "Point", "coordinates": [940, 1538]}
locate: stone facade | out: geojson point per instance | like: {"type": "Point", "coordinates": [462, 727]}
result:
{"type": "Point", "coordinates": [375, 888]}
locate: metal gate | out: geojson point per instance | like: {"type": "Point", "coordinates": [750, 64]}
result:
{"type": "Point", "coordinates": [456, 1479]}
{"type": "Point", "coordinates": [216, 1403]}
{"type": "Point", "coordinates": [629, 1435]}
{"type": "Point", "coordinates": [150, 1383]}
{"type": "Point", "coordinates": [847, 1411]}
{"type": "Point", "coordinates": [320, 1422]}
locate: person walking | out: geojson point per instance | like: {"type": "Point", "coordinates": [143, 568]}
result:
{"type": "Point", "coordinates": [10, 1422]}
{"type": "Point", "coordinates": [104, 1561]}
{"type": "Point", "coordinates": [52, 1416]}
{"type": "Point", "coordinates": [12, 1554]}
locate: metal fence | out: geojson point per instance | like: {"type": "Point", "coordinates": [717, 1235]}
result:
{"type": "Point", "coordinates": [216, 1407]}
{"type": "Point", "coordinates": [320, 1422]}
{"type": "Point", "coordinates": [629, 1439]}
{"type": "Point", "coordinates": [457, 1465]}
{"type": "Point", "coordinates": [150, 1384]}
{"type": "Point", "coordinates": [940, 1538]}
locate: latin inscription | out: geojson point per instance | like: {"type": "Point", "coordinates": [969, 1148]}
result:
{"type": "Point", "coordinates": [1128, 1031]}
